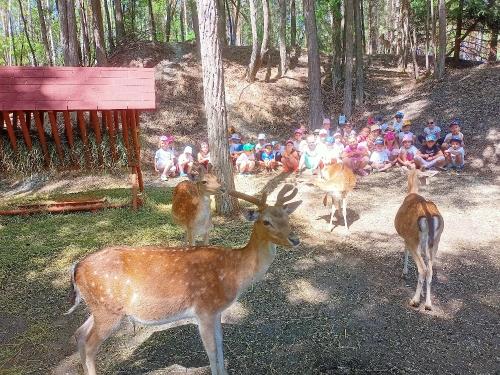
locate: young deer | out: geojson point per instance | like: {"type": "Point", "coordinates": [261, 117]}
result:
{"type": "Point", "coordinates": [156, 285]}
{"type": "Point", "coordinates": [420, 224]}
{"type": "Point", "coordinates": [337, 182]}
{"type": "Point", "coordinates": [191, 205]}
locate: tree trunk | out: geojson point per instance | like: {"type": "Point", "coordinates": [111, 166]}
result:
{"type": "Point", "coordinates": [293, 25]}
{"type": "Point", "coordinates": [427, 44]}
{"type": "Point", "coordinates": [442, 40]}
{"type": "Point", "coordinates": [152, 24]}
{"type": "Point", "coordinates": [360, 80]}
{"type": "Point", "coordinates": [170, 11]}
{"type": "Point", "coordinates": [264, 50]}
{"type": "Point", "coordinates": [414, 47]}
{"type": "Point", "coordinates": [282, 38]}
{"type": "Point", "coordinates": [100, 48]}
{"type": "Point", "coordinates": [433, 34]}
{"type": "Point", "coordinates": [362, 16]}
{"type": "Point", "coordinates": [194, 20]}
{"type": "Point", "coordinates": [373, 26]}
{"type": "Point", "coordinates": [215, 103]}
{"type": "Point", "coordinates": [49, 30]}
{"type": "Point", "coordinates": [458, 32]}
{"type": "Point", "coordinates": [85, 34]}
{"type": "Point", "coordinates": [111, 42]}
{"type": "Point", "coordinates": [69, 38]}
{"type": "Point", "coordinates": [492, 55]}
{"type": "Point", "coordinates": [120, 28]}
{"type": "Point", "coordinates": [314, 69]}
{"type": "Point", "coordinates": [236, 22]}
{"type": "Point", "coordinates": [405, 28]}
{"type": "Point", "coordinates": [336, 44]}
{"type": "Point", "coordinates": [25, 27]}
{"type": "Point", "coordinates": [43, 29]}
{"type": "Point", "coordinates": [253, 66]}
{"type": "Point", "coordinates": [181, 21]}
{"type": "Point", "coordinates": [229, 22]}
{"type": "Point", "coordinates": [349, 42]}
{"type": "Point", "coordinates": [222, 22]}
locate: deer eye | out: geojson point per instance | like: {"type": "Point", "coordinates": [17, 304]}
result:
{"type": "Point", "coordinates": [204, 182]}
{"type": "Point", "coordinates": [266, 222]}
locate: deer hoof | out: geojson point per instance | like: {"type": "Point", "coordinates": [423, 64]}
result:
{"type": "Point", "coordinates": [414, 302]}
{"type": "Point", "coordinates": [428, 307]}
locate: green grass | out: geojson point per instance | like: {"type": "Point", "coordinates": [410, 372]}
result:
{"type": "Point", "coordinates": [37, 251]}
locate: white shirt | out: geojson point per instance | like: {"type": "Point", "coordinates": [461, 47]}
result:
{"type": "Point", "coordinates": [163, 156]}
{"type": "Point", "coordinates": [402, 134]}
{"type": "Point", "coordinates": [448, 137]}
{"type": "Point", "coordinates": [185, 158]}
{"type": "Point", "coordinates": [436, 130]}
{"type": "Point", "coordinates": [379, 156]}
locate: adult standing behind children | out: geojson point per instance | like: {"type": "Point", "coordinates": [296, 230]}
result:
{"type": "Point", "coordinates": [165, 158]}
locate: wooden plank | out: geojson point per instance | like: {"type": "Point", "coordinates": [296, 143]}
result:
{"type": "Point", "coordinates": [110, 126]}
{"type": "Point", "coordinates": [94, 119]}
{"type": "Point", "coordinates": [41, 137]}
{"type": "Point", "coordinates": [10, 130]}
{"type": "Point", "coordinates": [68, 127]}
{"type": "Point", "coordinates": [83, 134]}
{"type": "Point", "coordinates": [137, 146]}
{"type": "Point", "coordinates": [75, 92]}
{"type": "Point", "coordinates": [25, 129]}
{"type": "Point", "coordinates": [55, 135]}
{"type": "Point", "coordinates": [125, 136]}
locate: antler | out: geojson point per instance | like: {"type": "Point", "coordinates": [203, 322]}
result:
{"type": "Point", "coordinates": [283, 198]}
{"type": "Point", "coordinates": [250, 198]}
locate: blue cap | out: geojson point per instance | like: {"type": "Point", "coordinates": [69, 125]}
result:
{"type": "Point", "coordinates": [430, 137]}
{"type": "Point", "coordinates": [379, 141]}
{"type": "Point", "coordinates": [378, 118]}
{"type": "Point", "coordinates": [455, 121]}
{"type": "Point", "coordinates": [330, 140]}
{"type": "Point", "coordinates": [400, 114]}
{"type": "Point", "coordinates": [456, 139]}
{"type": "Point", "coordinates": [342, 119]}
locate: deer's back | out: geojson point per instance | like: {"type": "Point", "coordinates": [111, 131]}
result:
{"type": "Point", "coordinates": [338, 178]}
{"type": "Point", "coordinates": [411, 210]}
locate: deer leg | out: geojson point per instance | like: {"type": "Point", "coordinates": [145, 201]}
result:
{"type": "Point", "coordinates": [103, 325]}
{"type": "Point", "coordinates": [405, 264]}
{"type": "Point", "coordinates": [219, 344]}
{"type": "Point", "coordinates": [81, 335]}
{"type": "Point", "coordinates": [189, 238]}
{"type": "Point", "coordinates": [207, 325]}
{"type": "Point", "coordinates": [334, 209]}
{"type": "Point", "coordinates": [428, 280]}
{"type": "Point", "coordinates": [422, 271]}
{"type": "Point", "coordinates": [344, 213]}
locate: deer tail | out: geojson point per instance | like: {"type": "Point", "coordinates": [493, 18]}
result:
{"type": "Point", "coordinates": [75, 297]}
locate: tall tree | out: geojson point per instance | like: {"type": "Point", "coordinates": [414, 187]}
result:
{"type": "Point", "coordinates": [458, 32]}
{"type": "Point", "coordinates": [152, 24]}
{"type": "Point", "coordinates": [222, 22]}
{"type": "Point", "coordinates": [85, 33]}
{"type": "Point", "coordinates": [264, 50]}
{"type": "Point", "coordinates": [349, 42]}
{"type": "Point", "coordinates": [194, 20]}
{"type": "Point", "coordinates": [360, 80]}
{"type": "Point", "coordinates": [293, 24]}
{"type": "Point", "coordinates": [336, 43]}
{"type": "Point", "coordinates": [43, 29]}
{"type": "Point", "coordinates": [120, 27]}
{"type": "Point", "coordinates": [182, 19]}
{"type": "Point", "coordinates": [253, 66]}
{"type": "Point", "coordinates": [69, 39]}
{"type": "Point", "coordinates": [49, 30]}
{"type": "Point", "coordinates": [427, 43]}
{"type": "Point", "coordinates": [215, 102]}
{"type": "Point", "coordinates": [100, 47]}
{"type": "Point", "coordinates": [414, 45]}
{"type": "Point", "coordinates": [111, 42]}
{"type": "Point", "coordinates": [314, 70]}
{"type": "Point", "coordinates": [373, 25]}
{"type": "Point", "coordinates": [169, 16]}
{"type": "Point", "coordinates": [439, 73]}
{"type": "Point", "coordinates": [282, 38]}
{"type": "Point", "coordinates": [433, 34]}
{"type": "Point", "coordinates": [26, 33]}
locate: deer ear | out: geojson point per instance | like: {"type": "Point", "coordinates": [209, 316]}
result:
{"type": "Point", "coordinates": [291, 207]}
{"type": "Point", "coordinates": [251, 215]}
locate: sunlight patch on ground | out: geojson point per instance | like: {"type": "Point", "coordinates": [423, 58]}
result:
{"type": "Point", "coordinates": [235, 313]}
{"type": "Point", "coordinates": [303, 291]}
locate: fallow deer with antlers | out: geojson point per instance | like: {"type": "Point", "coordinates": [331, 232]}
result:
{"type": "Point", "coordinates": [191, 204]}
{"type": "Point", "coordinates": [337, 182]}
{"type": "Point", "coordinates": [157, 285]}
{"type": "Point", "coordinates": [420, 224]}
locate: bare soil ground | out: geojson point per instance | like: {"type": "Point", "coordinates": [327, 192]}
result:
{"type": "Point", "coordinates": [336, 303]}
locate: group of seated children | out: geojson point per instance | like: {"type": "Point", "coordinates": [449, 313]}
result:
{"type": "Point", "coordinates": [170, 164]}
{"type": "Point", "coordinates": [378, 147]}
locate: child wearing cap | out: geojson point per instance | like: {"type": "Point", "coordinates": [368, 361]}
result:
{"type": "Point", "coordinates": [454, 132]}
{"type": "Point", "coordinates": [290, 158]}
{"type": "Point", "coordinates": [327, 126]}
{"type": "Point", "coordinates": [455, 154]}
{"type": "Point", "coordinates": [363, 135]}
{"type": "Point", "coordinates": [374, 134]}
{"type": "Point", "coordinates": [204, 155]}
{"type": "Point", "coordinates": [261, 141]}
{"type": "Point", "coordinates": [321, 141]}
{"type": "Point", "coordinates": [405, 131]}
{"type": "Point", "coordinates": [430, 154]}
{"type": "Point", "coordinates": [431, 128]}
{"type": "Point", "coordinates": [298, 143]}
{"type": "Point", "coordinates": [379, 158]}
{"type": "Point", "coordinates": [235, 148]}
{"type": "Point", "coordinates": [355, 156]}
{"type": "Point", "coordinates": [392, 146]}
{"type": "Point", "coordinates": [245, 163]}
{"type": "Point", "coordinates": [407, 153]}
{"type": "Point", "coordinates": [268, 158]}
{"type": "Point", "coordinates": [165, 158]}
{"type": "Point", "coordinates": [347, 131]}
{"type": "Point", "coordinates": [278, 151]}
{"type": "Point", "coordinates": [186, 161]}
{"type": "Point", "coordinates": [398, 122]}
{"type": "Point", "coordinates": [331, 153]}
{"type": "Point", "coordinates": [310, 158]}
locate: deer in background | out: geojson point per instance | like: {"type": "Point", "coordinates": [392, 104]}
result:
{"type": "Point", "coordinates": [157, 285]}
{"type": "Point", "coordinates": [420, 224]}
{"type": "Point", "coordinates": [191, 204]}
{"type": "Point", "coordinates": [337, 182]}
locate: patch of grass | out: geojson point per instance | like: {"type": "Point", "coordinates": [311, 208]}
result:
{"type": "Point", "coordinates": [36, 253]}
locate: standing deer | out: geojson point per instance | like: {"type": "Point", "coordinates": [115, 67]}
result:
{"type": "Point", "coordinates": [337, 181]}
{"type": "Point", "coordinates": [156, 285]}
{"type": "Point", "coordinates": [191, 205]}
{"type": "Point", "coordinates": [420, 224]}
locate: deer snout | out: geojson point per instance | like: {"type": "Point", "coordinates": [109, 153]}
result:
{"type": "Point", "coordinates": [293, 239]}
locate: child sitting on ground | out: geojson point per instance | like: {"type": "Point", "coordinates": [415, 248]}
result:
{"type": "Point", "coordinates": [330, 155]}
{"type": "Point", "coordinates": [398, 122]}
{"type": "Point", "coordinates": [392, 147]}
{"type": "Point", "coordinates": [363, 135]}
{"type": "Point", "coordinates": [406, 131]}
{"type": "Point", "coordinates": [310, 158]}
{"type": "Point", "coordinates": [407, 153]}
{"type": "Point", "coordinates": [165, 158]}
{"type": "Point", "coordinates": [355, 156]}
{"type": "Point", "coordinates": [455, 154]}
{"type": "Point", "coordinates": [290, 158]}
{"type": "Point", "coordinates": [204, 155]}
{"type": "Point", "coordinates": [245, 163]}
{"type": "Point", "coordinates": [454, 132]}
{"type": "Point", "coordinates": [185, 161]}
{"type": "Point", "coordinates": [429, 155]}
{"type": "Point", "coordinates": [261, 142]}
{"type": "Point", "coordinates": [268, 158]}
{"type": "Point", "coordinates": [374, 134]}
{"type": "Point", "coordinates": [235, 148]}
{"type": "Point", "coordinates": [347, 131]}
{"type": "Point", "coordinates": [379, 158]}
{"type": "Point", "coordinates": [278, 151]}
{"type": "Point", "coordinates": [431, 128]}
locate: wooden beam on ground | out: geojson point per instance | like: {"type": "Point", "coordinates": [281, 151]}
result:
{"type": "Point", "coordinates": [10, 130]}
{"type": "Point", "coordinates": [55, 135]}
{"type": "Point", "coordinates": [83, 134]}
{"type": "Point", "coordinates": [41, 137]}
{"type": "Point", "coordinates": [94, 119]}
{"type": "Point", "coordinates": [25, 129]}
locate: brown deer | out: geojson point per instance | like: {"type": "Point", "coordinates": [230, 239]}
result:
{"type": "Point", "coordinates": [337, 182]}
{"type": "Point", "coordinates": [156, 285]}
{"type": "Point", "coordinates": [420, 224]}
{"type": "Point", "coordinates": [191, 204]}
